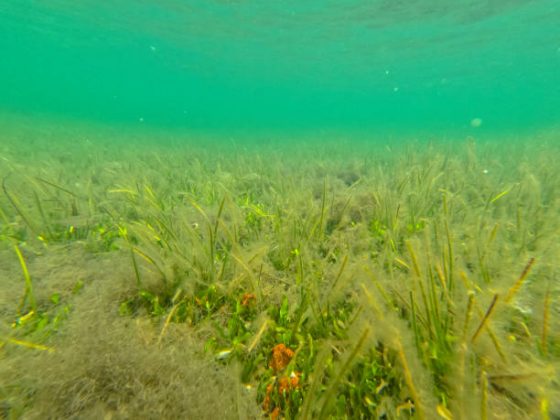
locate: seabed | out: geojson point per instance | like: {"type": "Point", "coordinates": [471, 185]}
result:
{"type": "Point", "coordinates": [154, 276]}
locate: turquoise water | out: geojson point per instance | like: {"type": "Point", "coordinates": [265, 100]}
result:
{"type": "Point", "coordinates": [283, 65]}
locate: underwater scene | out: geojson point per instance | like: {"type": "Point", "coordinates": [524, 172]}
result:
{"type": "Point", "coordinates": [243, 209]}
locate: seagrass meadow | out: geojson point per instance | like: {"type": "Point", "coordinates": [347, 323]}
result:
{"type": "Point", "coordinates": [151, 275]}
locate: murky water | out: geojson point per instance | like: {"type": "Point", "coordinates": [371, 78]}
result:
{"type": "Point", "coordinates": [286, 65]}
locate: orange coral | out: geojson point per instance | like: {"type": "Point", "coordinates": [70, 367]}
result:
{"type": "Point", "coordinates": [294, 379]}
{"type": "Point", "coordinates": [288, 383]}
{"type": "Point", "coordinates": [284, 385]}
{"type": "Point", "coordinates": [281, 356]}
{"type": "Point", "coordinates": [266, 402]}
{"type": "Point", "coordinates": [248, 298]}
{"type": "Point", "coordinates": [275, 413]}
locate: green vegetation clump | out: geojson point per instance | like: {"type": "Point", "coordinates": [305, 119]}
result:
{"type": "Point", "coordinates": [300, 280]}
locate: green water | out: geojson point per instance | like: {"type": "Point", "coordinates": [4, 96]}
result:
{"type": "Point", "coordinates": [285, 65]}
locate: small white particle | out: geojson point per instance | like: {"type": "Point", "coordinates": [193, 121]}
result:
{"type": "Point", "coordinates": [476, 122]}
{"type": "Point", "coordinates": [223, 354]}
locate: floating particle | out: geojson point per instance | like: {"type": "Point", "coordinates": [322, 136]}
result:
{"type": "Point", "coordinates": [476, 122]}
